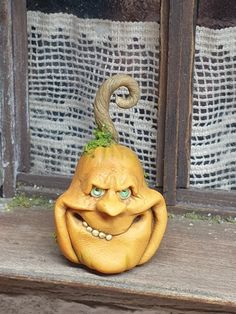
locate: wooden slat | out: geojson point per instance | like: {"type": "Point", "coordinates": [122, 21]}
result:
{"type": "Point", "coordinates": [49, 193]}
{"type": "Point", "coordinates": [213, 198]}
{"type": "Point", "coordinates": [172, 105]}
{"type": "Point", "coordinates": [8, 109]}
{"type": "Point", "coordinates": [179, 74]}
{"type": "Point", "coordinates": [183, 208]}
{"type": "Point", "coordinates": [185, 92]}
{"type": "Point", "coordinates": [191, 273]}
{"type": "Point", "coordinates": [164, 23]}
{"type": "Point", "coordinates": [20, 57]}
{"type": "Point", "coordinates": [47, 181]}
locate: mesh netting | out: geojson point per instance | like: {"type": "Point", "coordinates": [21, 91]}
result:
{"type": "Point", "coordinates": [69, 58]}
{"type": "Point", "coordinates": [213, 149]}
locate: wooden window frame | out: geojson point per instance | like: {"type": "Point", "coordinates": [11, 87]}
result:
{"type": "Point", "coordinates": [14, 73]}
{"type": "Point", "coordinates": [177, 37]}
{"type": "Point", "coordinates": [178, 194]}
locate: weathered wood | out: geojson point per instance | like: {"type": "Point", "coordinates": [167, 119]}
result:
{"type": "Point", "coordinates": [42, 185]}
{"type": "Point", "coordinates": [178, 89]}
{"type": "Point", "coordinates": [191, 273]}
{"type": "Point", "coordinates": [164, 22]}
{"type": "Point", "coordinates": [38, 303]}
{"type": "Point", "coordinates": [183, 208]}
{"type": "Point", "coordinates": [211, 198]}
{"type": "Point", "coordinates": [39, 191]}
{"type": "Point", "coordinates": [20, 70]}
{"type": "Point", "coordinates": [8, 108]}
{"type": "Point", "coordinates": [172, 104]}
{"type": "Point", "coordinates": [47, 181]}
{"type": "Point", "coordinates": [185, 92]}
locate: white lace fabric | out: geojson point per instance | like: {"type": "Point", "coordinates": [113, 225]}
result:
{"type": "Point", "coordinates": [213, 147]}
{"type": "Point", "coordinates": [69, 58]}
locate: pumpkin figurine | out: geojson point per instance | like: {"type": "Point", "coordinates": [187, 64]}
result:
{"type": "Point", "coordinates": [109, 219]}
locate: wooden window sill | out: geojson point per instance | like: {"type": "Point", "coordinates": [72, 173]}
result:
{"type": "Point", "coordinates": [193, 271]}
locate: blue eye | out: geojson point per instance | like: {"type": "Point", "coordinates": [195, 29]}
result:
{"type": "Point", "coordinates": [97, 192]}
{"type": "Point", "coordinates": [125, 194]}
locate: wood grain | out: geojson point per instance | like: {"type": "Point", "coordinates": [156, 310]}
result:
{"type": "Point", "coordinates": [164, 23]}
{"type": "Point", "coordinates": [178, 107]}
{"type": "Point", "coordinates": [185, 91]}
{"type": "Point", "coordinates": [8, 108]}
{"type": "Point", "coordinates": [47, 181]}
{"type": "Point", "coordinates": [172, 103]}
{"type": "Point", "coordinates": [193, 272]}
{"type": "Point", "coordinates": [211, 198]}
{"type": "Point", "coordinates": [20, 72]}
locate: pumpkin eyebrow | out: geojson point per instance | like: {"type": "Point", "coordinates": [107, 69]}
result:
{"type": "Point", "coordinates": [99, 184]}
{"type": "Point", "coordinates": [89, 184]}
{"type": "Point", "coordinates": [130, 186]}
{"type": "Point", "coordinates": [118, 182]}
{"type": "Point", "coordinates": [95, 181]}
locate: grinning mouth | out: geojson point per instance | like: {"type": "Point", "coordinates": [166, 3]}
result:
{"type": "Point", "coordinates": [99, 233]}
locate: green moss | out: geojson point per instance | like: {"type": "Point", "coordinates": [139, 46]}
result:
{"type": "Point", "coordinates": [54, 235]}
{"type": "Point", "coordinates": [196, 216]}
{"type": "Point", "coordinates": [171, 216]}
{"type": "Point", "coordinates": [230, 219]}
{"type": "Point", "coordinates": [209, 218]}
{"type": "Point", "coordinates": [103, 138]}
{"type": "Point", "coordinates": [21, 200]}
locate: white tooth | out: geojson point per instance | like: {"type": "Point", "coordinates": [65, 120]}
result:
{"type": "Point", "coordinates": [108, 237]}
{"type": "Point", "coordinates": [89, 229]}
{"type": "Point", "coordinates": [85, 224]}
{"type": "Point", "coordinates": [101, 235]}
{"type": "Point", "coordinates": [95, 233]}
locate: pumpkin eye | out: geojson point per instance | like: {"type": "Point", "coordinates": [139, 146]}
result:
{"type": "Point", "coordinates": [97, 192]}
{"type": "Point", "coordinates": [125, 194]}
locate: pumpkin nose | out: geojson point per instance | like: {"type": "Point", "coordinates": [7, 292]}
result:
{"type": "Point", "coordinates": [111, 204]}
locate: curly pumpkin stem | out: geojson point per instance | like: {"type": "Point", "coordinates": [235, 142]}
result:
{"type": "Point", "coordinates": [102, 100]}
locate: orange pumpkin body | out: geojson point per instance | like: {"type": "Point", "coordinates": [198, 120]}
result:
{"type": "Point", "coordinates": [120, 226]}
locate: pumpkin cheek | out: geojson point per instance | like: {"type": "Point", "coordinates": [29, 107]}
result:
{"type": "Point", "coordinates": [119, 254]}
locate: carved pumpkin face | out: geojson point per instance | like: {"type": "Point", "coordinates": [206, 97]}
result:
{"type": "Point", "coordinates": [109, 219]}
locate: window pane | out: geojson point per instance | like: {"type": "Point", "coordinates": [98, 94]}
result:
{"type": "Point", "coordinates": [115, 10]}
{"type": "Point", "coordinates": [213, 148]}
{"type": "Point", "coordinates": [73, 47]}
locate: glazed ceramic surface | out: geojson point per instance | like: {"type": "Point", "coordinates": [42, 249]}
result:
{"type": "Point", "coordinates": [109, 219]}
